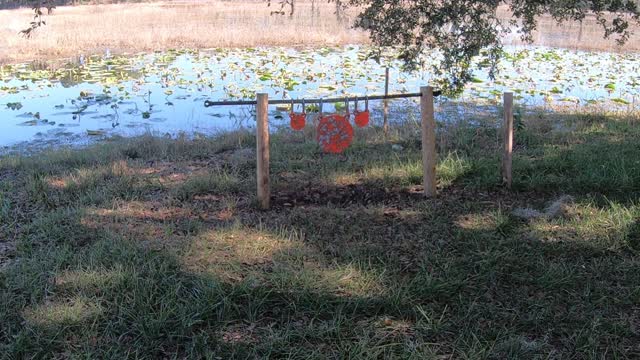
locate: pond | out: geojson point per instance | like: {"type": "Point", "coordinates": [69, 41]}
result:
{"type": "Point", "coordinates": [164, 93]}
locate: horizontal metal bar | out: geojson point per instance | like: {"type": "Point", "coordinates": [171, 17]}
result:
{"type": "Point", "coordinates": [208, 103]}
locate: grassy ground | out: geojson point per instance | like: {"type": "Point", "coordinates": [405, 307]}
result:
{"type": "Point", "coordinates": [153, 248]}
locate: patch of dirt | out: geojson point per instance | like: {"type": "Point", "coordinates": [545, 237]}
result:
{"type": "Point", "coordinates": [352, 194]}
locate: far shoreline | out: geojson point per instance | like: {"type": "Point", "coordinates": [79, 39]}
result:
{"type": "Point", "coordinates": [159, 26]}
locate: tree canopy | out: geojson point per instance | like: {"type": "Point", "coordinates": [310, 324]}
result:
{"type": "Point", "coordinates": [459, 29]}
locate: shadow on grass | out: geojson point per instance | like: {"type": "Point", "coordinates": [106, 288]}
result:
{"type": "Point", "coordinates": [397, 276]}
{"type": "Point", "coordinates": [144, 261]}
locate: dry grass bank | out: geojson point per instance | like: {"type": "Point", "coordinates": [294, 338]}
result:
{"type": "Point", "coordinates": [153, 26]}
{"type": "Point", "coordinates": [163, 25]}
{"type": "Point", "coordinates": [587, 35]}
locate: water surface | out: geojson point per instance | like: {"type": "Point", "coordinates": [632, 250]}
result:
{"type": "Point", "coordinates": [164, 93]}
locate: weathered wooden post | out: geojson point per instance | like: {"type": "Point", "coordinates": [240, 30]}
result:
{"type": "Point", "coordinates": [428, 140]}
{"type": "Point", "coordinates": [385, 103]}
{"type": "Point", "coordinates": [262, 149]}
{"type": "Point", "coordinates": [507, 157]}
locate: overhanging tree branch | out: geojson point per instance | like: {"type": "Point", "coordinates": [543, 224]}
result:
{"type": "Point", "coordinates": [460, 29]}
{"type": "Point", "coordinates": [39, 8]}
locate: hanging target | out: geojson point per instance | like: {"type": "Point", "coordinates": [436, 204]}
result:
{"type": "Point", "coordinates": [335, 134]}
{"type": "Point", "coordinates": [361, 118]}
{"type": "Point", "coordinates": [297, 120]}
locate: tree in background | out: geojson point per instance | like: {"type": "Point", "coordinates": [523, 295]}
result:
{"type": "Point", "coordinates": [458, 29]}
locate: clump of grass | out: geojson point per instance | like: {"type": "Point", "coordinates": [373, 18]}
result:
{"type": "Point", "coordinates": [70, 313]}
{"type": "Point", "coordinates": [593, 223]}
{"type": "Point", "coordinates": [59, 227]}
{"type": "Point", "coordinates": [5, 205]}
{"type": "Point", "coordinates": [451, 168]}
{"type": "Point", "coordinates": [405, 168]}
{"type": "Point", "coordinates": [219, 183]}
{"type": "Point", "coordinates": [38, 191]}
{"type": "Point", "coordinates": [151, 147]}
{"type": "Point", "coordinates": [600, 163]}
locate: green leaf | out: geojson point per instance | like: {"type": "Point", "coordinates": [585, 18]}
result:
{"type": "Point", "coordinates": [620, 101]}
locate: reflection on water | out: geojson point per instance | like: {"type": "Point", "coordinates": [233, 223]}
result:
{"type": "Point", "coordinates": [163, 93]}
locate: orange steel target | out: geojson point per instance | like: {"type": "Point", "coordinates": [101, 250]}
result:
{"type": "Point", "coordinates": [335, 134]}
{"type": "Point", "coordinates": [297, 121]}
{"type": "Point", "coordinates": [361, 118]}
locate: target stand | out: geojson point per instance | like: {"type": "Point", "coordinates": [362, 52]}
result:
{"type": "Point", "coordinates": [335, 132]}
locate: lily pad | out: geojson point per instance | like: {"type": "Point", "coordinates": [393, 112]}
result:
{"type": "Point", "coordinates": [283, 107]}
{"type": "Point", "coordinates": [14, 106]}
{"type": "Point", "coordinates": [620, 101]}
{"type": "Point", "coordinates": [95, 132]}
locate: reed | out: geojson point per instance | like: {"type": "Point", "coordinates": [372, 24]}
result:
{"type": "Point", "coordinates": [151, 26]}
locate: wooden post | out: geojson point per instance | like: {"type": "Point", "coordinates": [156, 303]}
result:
{"type": "Point", "coordinates": [428, 141]}
{"type": "Point", "coordinates": [507, 157]}
{"type": "Point", "coordinates": [385, 103]}
{"type": "Point", "coordinates": [262, 150]}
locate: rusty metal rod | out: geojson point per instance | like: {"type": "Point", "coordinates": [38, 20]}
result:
{"type": "Point", "coordinates": [209, 103]}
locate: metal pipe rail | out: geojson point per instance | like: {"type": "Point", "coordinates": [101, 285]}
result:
{"type": "Point", "coordinates": [209, 103]}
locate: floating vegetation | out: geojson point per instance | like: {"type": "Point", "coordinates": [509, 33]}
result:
{"type": "Point", "coordinates": [14, 105]}
{"type": "Point", "coordinates": [96, 132]}
{"type": "Point", "coordinates": [167, 89]}
{"type": "Point", "coordinates": [36, 121]}
{"type": "Point", "coordinates": [621, 101]}
{"type": "Point", "coordinates": [80, 109]}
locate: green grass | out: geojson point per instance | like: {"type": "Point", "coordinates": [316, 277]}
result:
{"type": "Point", "coordinates": [218, 182]}
{"type": "Point", "coordinates": [155, 248]}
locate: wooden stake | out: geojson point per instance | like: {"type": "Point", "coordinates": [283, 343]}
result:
{"type": "Point", "coordinates": [508, 139]}
{"type": "Point", "coordinates": [428, 141]}
{"type": "Point", "coordinates": [385, 104]}
{"type": "Point", "coordinates": [262, 150]}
